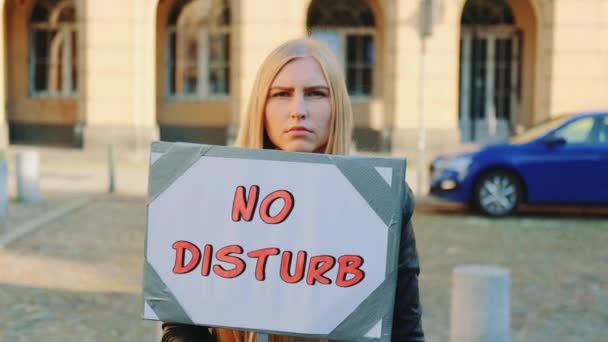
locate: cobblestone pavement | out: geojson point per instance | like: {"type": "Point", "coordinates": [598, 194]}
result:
{"type": "Point", "coordinates": [20, 213]}
{"type": "Point", "coordinates": [79, 278]}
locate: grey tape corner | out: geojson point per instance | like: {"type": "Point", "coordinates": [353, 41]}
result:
{"type": "Point", "coordinates": [374, 308]}
{"type": "Point", "coordinates": [160, 146]}
{"type": "Point", "coordinates": [370, 185]}
{"type": "Point", "coordinates": [388, 202]}
{"type": "Point", "coordinates": [172, 164]}
{"type": "Point", "coordinates": [160, 299]}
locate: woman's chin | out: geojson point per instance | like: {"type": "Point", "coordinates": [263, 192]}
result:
{"type": "Point", "coordinates": [299, 147]}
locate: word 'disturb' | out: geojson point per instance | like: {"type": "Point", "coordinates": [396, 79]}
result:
{"type": "Point", "coordinates": [349, 271]}
{"type": "Point", "coordinates": [231, 258]}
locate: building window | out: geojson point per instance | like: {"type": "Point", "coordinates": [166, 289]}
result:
{"type": "Point", "coordinates": [348, 27]}
{"type": "Point", "coordinates": [198, 49]}
{"type": "Point", "coordinates": [52, 51]}
{"type": "Point", "coordinates": [487, 13]}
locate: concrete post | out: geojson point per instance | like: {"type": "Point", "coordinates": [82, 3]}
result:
{"type": "Point", "coordinates": [480, 309]}
{"type": "Point", "coordinates": [111, 169]}
{"type": "Point", "coordinates": [28, 176]}
{"type": "Point", "coordinates": [3, 187]}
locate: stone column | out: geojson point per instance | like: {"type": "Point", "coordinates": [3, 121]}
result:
{"type": "Point", "coordinates": [259, 27]}
{"type": "Point", "coordinates": [440, 79]}
{"type": "Point", "coordinates": [3, 119]}
{"type": "Point", "coordinates": [119, 80]}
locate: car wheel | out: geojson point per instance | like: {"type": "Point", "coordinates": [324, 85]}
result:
{"type": "Point", "coordinates": [497, 193]}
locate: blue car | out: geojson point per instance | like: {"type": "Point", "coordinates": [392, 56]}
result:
{"type": "Point", "coordinates": [561, 161]}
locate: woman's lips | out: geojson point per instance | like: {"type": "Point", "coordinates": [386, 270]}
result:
{"type": "Point", "coordinates": [298, 129]}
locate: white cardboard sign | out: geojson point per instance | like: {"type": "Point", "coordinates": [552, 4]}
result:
{"type": "Point", "coordinates": [283, 246]}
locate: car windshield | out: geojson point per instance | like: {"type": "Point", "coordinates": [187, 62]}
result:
{"type": "Point", "coordinates": [539, 130]}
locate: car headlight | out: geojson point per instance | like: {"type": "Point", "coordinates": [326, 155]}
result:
{"type": "Point", "coordinates": [459, 164]}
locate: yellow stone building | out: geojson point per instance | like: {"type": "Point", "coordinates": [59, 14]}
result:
{"type": "Point", "coordinates": [90, 72]}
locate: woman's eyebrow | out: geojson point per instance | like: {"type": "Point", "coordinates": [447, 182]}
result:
{"type": "Point", "coordinates": [321, 87]}
{"type": "Point", "coordinates": [291, 88]}
{"type": "Point", "coordinates": [280, 88]}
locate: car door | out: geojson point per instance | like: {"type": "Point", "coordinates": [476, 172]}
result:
{"type": "Point", "coordinates": [602, 190]}
{"type": "Point", "coordinates": [571, 171]}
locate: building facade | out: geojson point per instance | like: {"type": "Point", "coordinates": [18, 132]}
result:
{"type": "Point", "coordinates": [92, 72]}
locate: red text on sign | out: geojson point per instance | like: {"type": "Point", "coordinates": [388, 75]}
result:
{"type": "Point", "coordinates": [243, 207]}
{"type": "Point", "coordinates": [228, 262]}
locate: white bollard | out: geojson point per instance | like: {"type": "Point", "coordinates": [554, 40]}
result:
{"type": "Point", "coordinates": [28, 176]}
{"type": "Point", "coordinates": [480, 306]}
{"type": "Point", "coordinates": [3, 188]}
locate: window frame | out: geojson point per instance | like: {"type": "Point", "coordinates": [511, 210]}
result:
{"type": "Point", "coordinates": [343, 33]}
{"type": "Point", "coordinates": [207, 31]}
{"type": "Point", "coordinates": [68, 90]}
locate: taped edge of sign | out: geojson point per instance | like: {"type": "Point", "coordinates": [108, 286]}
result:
{"type": "Point", "coordinates": [370, 185]}
{"type": "Point", "coordinates": [374, 308]}
{"type": "Point", "coordinates": [379, 304]}
{"type": "Point", "coordinates": [172, 164]}
{"type": "Point", "coordinates": [160, 299]}
{"type": "Point", "coordinates": [366, 180]}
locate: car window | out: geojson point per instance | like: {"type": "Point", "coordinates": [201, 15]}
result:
{"type": "Point", "coordinates": [539, 130]}
{"type": "Point", "coordinates": [603, 132]}
{"type": "Point", "coordinates": [581, 131]}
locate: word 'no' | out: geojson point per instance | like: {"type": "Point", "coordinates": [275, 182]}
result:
{"type": "Point", "coordinates": [243, 207]}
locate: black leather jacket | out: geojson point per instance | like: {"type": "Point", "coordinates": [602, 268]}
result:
{"type": "Point", "coordinates": [407, 323]}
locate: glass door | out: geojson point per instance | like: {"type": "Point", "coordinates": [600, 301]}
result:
{"type": "Point", "coordinates": [489, 73]}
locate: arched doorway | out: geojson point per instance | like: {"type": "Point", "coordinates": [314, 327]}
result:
{"type": "Point", "coordinates": [42, 54]}
{"type": "Point", "coordinates": [490, 70]}
{"type": "Point", "coordinates": [348, 27]}
{"type": "Point", "coordinates": [194, 77]}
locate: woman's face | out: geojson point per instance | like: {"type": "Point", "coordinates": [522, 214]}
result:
{"type": "Point", "coordinates": [298, 108]}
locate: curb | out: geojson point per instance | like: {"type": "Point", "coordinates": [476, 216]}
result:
{"type": "Point", "coordinates": [43, 219]}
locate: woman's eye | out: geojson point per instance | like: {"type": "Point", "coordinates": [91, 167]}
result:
{"type": "Point", "coordinates": [280, 94]}
{"type": "Point", "coordinates": [316, 93]}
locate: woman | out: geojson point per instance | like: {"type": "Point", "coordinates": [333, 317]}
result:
{"type": "Point", "coordinates": [300, 104]}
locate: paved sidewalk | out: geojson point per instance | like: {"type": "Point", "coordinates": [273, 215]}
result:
{"type": "Point", "coordinates": [72, 262]}
{"type": "Point", "coordinates": [74, 171]}
{"type": "Point", "coordinates": [79, 278]}
{"type": "Point", "coordinates": [21, 213]}
{"type": "Point", "coordinates": [68, 178]}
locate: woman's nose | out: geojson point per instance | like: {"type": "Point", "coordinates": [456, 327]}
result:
{"type": "Point", "coordinates": [299, 108]}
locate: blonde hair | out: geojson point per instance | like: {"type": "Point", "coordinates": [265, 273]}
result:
{"type": "Point", "coordinates": [252, 132]}
{"type": "Point", "coordinates": [226, 335]}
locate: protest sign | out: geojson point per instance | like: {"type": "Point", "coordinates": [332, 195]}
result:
{"type": "Point", "coordinates": [298, 244]}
